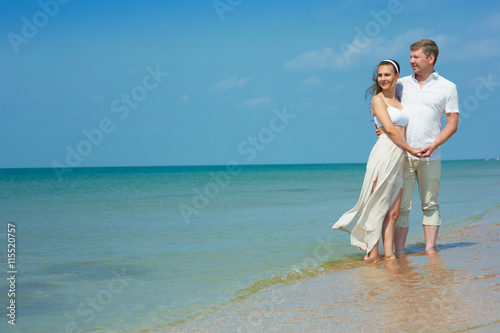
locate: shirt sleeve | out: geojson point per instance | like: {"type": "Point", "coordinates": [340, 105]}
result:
{"type": "Point", "coordinates": [452, 101]}
{"type": "Point", "coordinates": [399, 90]}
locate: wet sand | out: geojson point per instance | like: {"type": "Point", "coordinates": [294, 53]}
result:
{"type": "Point", "coordinates": [456, 289]}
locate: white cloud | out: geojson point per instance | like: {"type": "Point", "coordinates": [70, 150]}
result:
{"type": "Point", "coordinates": [316, 60]}
{"type": "Point", "coordinates": [400, 45]}
{"type": "Point", "coordinates": [478, 48]}
{"type": "Point", "coordinates": [489, 24]}
{"type": "Point", "coordinates": [252, 102]}
{"type": "Point", "coordinates": [231, 83]}
{"type": "Point", "coordinates": [479, 41]}
{"type": "Point", "coordinates": [328, 59]}
{"type": "Point", "coordinates": [183, 99]}
{"type": "Point", "coordinates": [376, 47]}
{"type": "Point", "coordinates": [313, 80]}
{"type": "Point", "coordinates": [338, 88]}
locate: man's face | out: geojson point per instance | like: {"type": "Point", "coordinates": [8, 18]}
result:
{"type": "Point", "coordinates": [420, 63]}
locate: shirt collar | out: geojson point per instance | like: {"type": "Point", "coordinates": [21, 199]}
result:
{"type": "Point", "coordinates": [433, 76]}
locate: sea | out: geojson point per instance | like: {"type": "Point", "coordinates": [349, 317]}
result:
{"type": "Point", "coordinates": [130, 249]}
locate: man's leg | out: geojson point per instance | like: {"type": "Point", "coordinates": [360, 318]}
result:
{"type": "Point", "coordinates": [428, 178]}
{"type": "Point", "coordinates": [403, 222]}
{"type": "Point", "coordinates": [400, 240]}
{"type": "Point", "coordinates": [430, 233]}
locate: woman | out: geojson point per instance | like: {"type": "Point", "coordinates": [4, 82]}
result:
{"type": "Point", "coordinates": [377, 209]}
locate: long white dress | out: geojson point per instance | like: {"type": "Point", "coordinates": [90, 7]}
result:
{"type": "Point", "coordinates": [364, 221]}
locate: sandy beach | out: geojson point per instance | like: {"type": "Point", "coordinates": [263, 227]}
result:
{"type": "Point", "coordinates": [456, 289]}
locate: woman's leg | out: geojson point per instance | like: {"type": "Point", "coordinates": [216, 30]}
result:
{"type": "Point", "coordinates": [373, 254]}
{"type": "Point", "coordinates": [389, 226]}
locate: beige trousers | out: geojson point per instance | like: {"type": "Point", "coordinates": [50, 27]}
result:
{"type": "Point", "coordinates": [427, 175]}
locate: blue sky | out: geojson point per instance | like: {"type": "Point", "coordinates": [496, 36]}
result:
{"type": "Point", "coordinates": [136, 83]}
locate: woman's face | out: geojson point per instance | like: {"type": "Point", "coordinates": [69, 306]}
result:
{"type": "Point", "coordinates": [386, 77]}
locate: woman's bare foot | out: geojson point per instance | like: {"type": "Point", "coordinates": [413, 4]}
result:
{"type": "Point", "coordinates": [390, 257]}
{"type": "Point", "coordinates": [372, 255]}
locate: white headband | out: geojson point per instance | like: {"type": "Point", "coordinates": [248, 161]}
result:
{"type": "Point", "coordinates": [395, 66]}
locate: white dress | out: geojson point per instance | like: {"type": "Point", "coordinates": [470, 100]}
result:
{"type": "Point", "coordinates": [385, 166]}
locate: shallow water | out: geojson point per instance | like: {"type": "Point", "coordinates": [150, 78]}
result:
{"type": "Point", "coordinates": [456, 289]}
{"type": "Point", "coordinates": [124, 249]}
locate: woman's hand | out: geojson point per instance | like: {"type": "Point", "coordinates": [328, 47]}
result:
{"type": "Point", "coordinates": [416, 152]}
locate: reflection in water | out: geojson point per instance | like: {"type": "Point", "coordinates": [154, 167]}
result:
{"type": "Point", "coordinates": [455, 289]}
{"type": "Point", "coordinates": [423, 296]}
{"type": "Point", "coordinates": [416, 293]}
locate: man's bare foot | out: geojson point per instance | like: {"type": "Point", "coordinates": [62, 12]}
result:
{"type": "Point", "coordinates": [431, 250]}
{"type": "Point", "coordinates": [401, 254]}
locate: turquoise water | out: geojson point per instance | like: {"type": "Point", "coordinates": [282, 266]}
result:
{"type": "Point", "coordinates": [125, 249]}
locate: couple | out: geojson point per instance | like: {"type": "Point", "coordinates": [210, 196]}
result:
{"type": "Point", "coordinates": [410, 108]}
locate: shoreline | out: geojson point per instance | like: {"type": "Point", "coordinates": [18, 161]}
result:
{"type": "Point", "coordinates": [456, 289]}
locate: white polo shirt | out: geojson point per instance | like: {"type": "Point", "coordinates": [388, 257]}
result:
{"type": "Point", "coordinates": [426, 106]}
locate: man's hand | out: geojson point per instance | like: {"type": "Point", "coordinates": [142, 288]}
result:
{"type": "Point", "coordinates": [427, 151]}
{"type": "Point", "coordinates": [446, 133]}
{"type": "Point", "coordinates": [377, 131]}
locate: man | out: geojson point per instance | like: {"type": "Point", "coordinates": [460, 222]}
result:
{"type": "Point", "coordinates": [427, 97]}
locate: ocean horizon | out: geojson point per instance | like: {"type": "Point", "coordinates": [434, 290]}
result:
{"type": "Point", "coordinates": [124, 249]}
{"type": "Point", "coordinates": [220, 165]}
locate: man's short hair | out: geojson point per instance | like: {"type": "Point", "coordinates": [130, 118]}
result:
{"type": "Point", "coordinates": [428, 47]}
